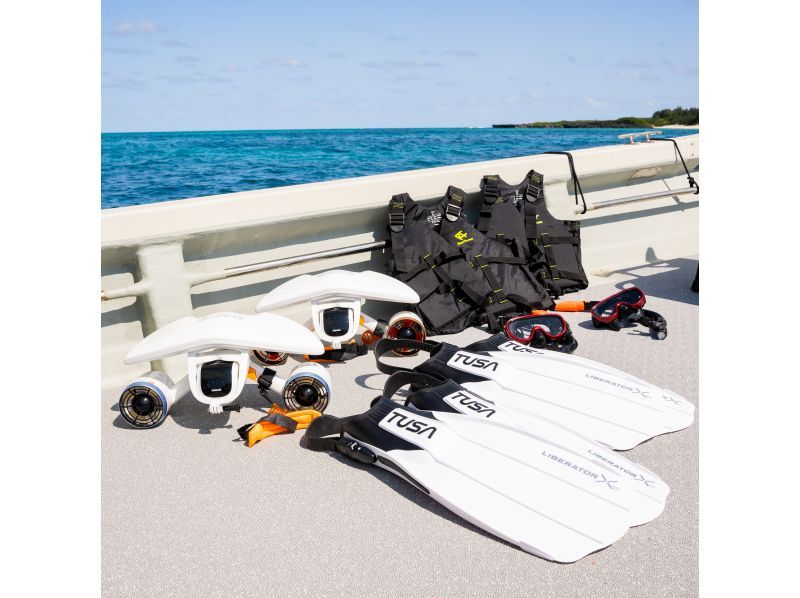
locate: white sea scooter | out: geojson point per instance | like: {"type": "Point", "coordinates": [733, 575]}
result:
{"type": "Point", "coordinates": [222, 355]}
{"type": "Point", "coordinates": [336, 297]}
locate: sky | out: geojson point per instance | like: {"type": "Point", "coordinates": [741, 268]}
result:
{"type": "Point", "coordinates": [198, 65]}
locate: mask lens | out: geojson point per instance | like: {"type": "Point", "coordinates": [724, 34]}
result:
{"type": "Point", "coordinates": [216, 378]}
{"type": "Point", "coordinates": [336, 321]}
{"type": "Point", "coordinates": [550, 325]}
{"type": "Point", "coordinates": [608, 307]}
{"type": "Point", "coordinates": [523, 328]}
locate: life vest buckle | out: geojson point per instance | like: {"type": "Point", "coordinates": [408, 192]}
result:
{"type": "Point", "coordinates": [491, 191]}
{"type": "Point", "coordinates": [397, 221]}
{"type": "Point", "coordinates": [452, 211]}
{"type": "Point", "coordinates": [532, 192]}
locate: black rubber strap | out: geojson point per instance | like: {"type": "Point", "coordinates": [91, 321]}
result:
{"type": "Point", "coordinates": [503, 260]}
{"type": "Point", "coordinates": [325, 431]}
{"type": "Point", "coordinates": [496, 314]}
{"type": "Point", "coordinates": [265, 382]}
{"type": "Point", "coordinates": [649, 315]}
{"type": "Point", "coordinates": [565, 344]}
{"type": "Point", "coordinates": [385, 345]}
{"type": "Point", "coordinates": [548, 240]}
{"type": "Point", "coordinates": [497, 295]}
{"type": "Point", "coordinates": [655, 322]}
{"type": "Point", "coordinates": [397, 213]}
{"type": "Point", "coordinates": [326, 434]}
{"type": "Point", "coordinates": [280, 420]}
{"type": "Point", "coordinates": [576, 182]}
{"type": "Point", "coordinates": [491, 189]}
{"type": "Point", "coordinates": [454, 204]}
{"type": "Point", "coordinates": [534, 194]}
{"type": "Point", "coordinates": [380, 328]}
{"type": "Point", "coordinates": [627, 316]}
{"type": "Point", "coordinates": [396, 224]}
{"type": "Point", "coordinates": [273, 418]}
{"type": "Point", "coordinates": [344, 353]}
{"type": "Point", "coordinates": [692, 182]}
{"type": "Point", "coordinates": [404, 378]}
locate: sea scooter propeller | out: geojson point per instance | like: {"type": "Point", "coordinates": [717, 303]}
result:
{"type": "Point", "coordinates": [218, 349]}
{"type": "Point", "coordinates": [336, 297]}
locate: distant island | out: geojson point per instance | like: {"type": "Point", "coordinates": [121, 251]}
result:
{"type": "Point", "coordinates": [660, 118]}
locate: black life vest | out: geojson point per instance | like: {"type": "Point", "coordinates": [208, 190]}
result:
{"type": "Point", "coordinates": [518, 216]}
{"type": "Point", "coordinates": [463, 278]}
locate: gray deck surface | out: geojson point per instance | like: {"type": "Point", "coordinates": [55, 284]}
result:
{"type": "Point", "coordinates": [188, 510]}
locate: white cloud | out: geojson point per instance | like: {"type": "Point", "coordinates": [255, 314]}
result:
{"type": "Point", "coordinates": [132, 51]}
{"type": "Point", "coordinates": [401, 64]}
{"type": "Point", "coordinates": [635, 75]}
{"type": "Point", "coordinates": [133, 27]}
{"type": "Point", "coordinates": [128, 83]}
{"type": "Point", "coordinates": [196, 77]}
{"type": "Point", "coordinates": [148, 27]}
{"type": "Point", "coordinates": [292, 63]}
{"type": "Point", "coordinates": [635, 62]}
{"type": "Point", "coordinates": [461, 53]}
{"type": "Point", "coordinates": [178, 79]}
{"type": "Point", "coordinates": [685, 70]}
{"type": "Point", "coordinates": [412, 64]}
{"type": "Point", "coordinates": [569, 57]}
{"type": "Point", "coordinates": [174, 43]}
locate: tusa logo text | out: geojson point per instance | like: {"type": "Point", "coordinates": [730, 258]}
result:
{"type": "Point", "coordinates": [474, 361]}
{"type": "Point", "coordinates": [464, 402]}
{"type": "Point", "coordinates": [410, 424]}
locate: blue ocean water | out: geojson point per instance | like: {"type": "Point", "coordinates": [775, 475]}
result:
{"type": "Point", "coordinates": [140, 168]}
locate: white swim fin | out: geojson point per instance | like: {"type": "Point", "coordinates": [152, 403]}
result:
{"type": "Point", "coordinates": [501, 343]}
{"type": "Point", "coordinates": [529, 493]}
{"type": "Point", "coordinates": [596, 403]}
{"type": "Point", "coordinates": [431, 394]}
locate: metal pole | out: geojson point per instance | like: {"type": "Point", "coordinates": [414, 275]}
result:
{"type": "Point", "coordinates": [140, 288]}
{"type": "Point", "coordinates": [632, 136]}
{"type": "Point", "coordinates": [299, 259]}
{"type": "Point", "coordinates": [635, 198]}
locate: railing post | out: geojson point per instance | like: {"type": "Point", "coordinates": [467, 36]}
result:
{"type": "Point", "coordinates": [168, 295]}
